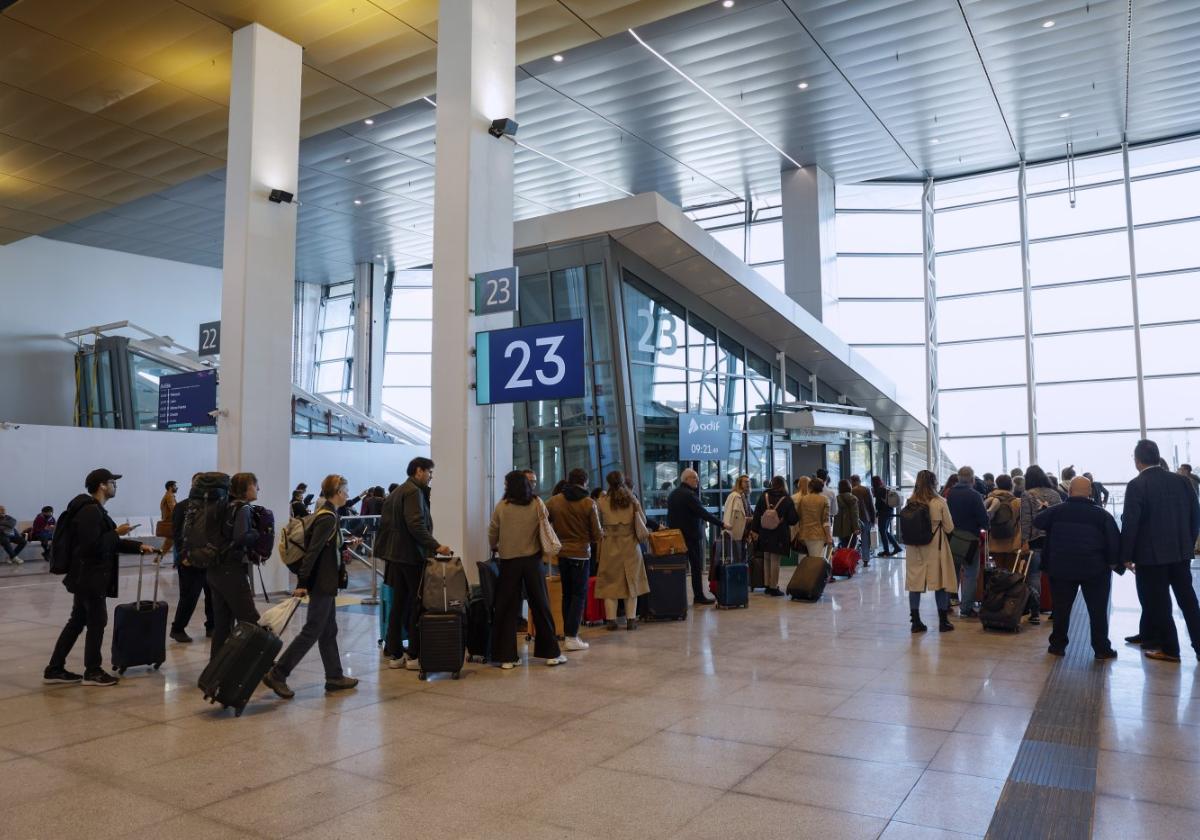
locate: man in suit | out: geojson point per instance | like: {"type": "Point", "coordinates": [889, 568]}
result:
{"type": "Point", "coordinates": [1159, 527]}
{"type": "Point", "coordinates": [1082, 548]}
{"type": "Point", "coordinates": [686, 512]}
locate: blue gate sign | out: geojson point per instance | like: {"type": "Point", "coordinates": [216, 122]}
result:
{"type": "Point", "coordinates": [703, 437]}
{"type": "Point", "coordinates": [539, 362]}
{"type": "Point", "coordinates": [185, 400]}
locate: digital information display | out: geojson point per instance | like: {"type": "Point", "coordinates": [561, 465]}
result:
{"type": "Point", "coordinates": [186, 400]}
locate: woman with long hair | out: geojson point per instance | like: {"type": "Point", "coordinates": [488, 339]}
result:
{"type": "Point", "coordinates": [814, 531]}
{"type": "Point", "coordinates": [736, 516]}
{"type": "Point", "coordinates": [846, 523]}
{"type": "Point", "coordinates": [515, 535]}
{"type": "Point", "coordinates": [931, 566]}
{"type": "Point", "coordinates": [774, 542]}
{"type": "Point", "coordinates": [622, 571]}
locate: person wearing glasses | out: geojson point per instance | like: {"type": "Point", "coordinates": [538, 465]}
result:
{"type": "Point", "coordinates": [95, 545]}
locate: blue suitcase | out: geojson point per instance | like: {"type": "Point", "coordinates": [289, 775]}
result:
{"type": "Point", "coordinates": [387, 598]}
{"type": "Point", "coordinates": [733, 580]}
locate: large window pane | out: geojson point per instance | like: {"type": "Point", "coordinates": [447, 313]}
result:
{"type": "Point", "coordinates": [905, 366]}
{"type": "Point", "coordinates": [1097, 208]}
{"type": "Point", "coordinates": [878, 197]}
{"type": "Point", "coordinates": [985, 454]}
{"type": "Point", "coordinates": [732, 238]}
{"type": "Point", "coordinates": [337, 312]}
{"type": "Point", "coordinates": [412, 402]}
{"type": "Point", "coordinates": [874, 233]}
{"type": "Point", "coordinates": [335, 344]}
{"type": "Point", "coordinates": [979, 271]}
{"type": "Point", "coordinates": [766, 242]}
{"type": "Point", "coordinates": [869, 322]}
{"type": "Point", "coordinates": [1064, 358]}
{"type": "Point", "coordinates": [970, 227]}
{"type": "Point", "coordinates": [1168, 197]}
{"type": "Point", "coordinates": [1088, 170]}
{"type": "Point", "coordinates": [1082, 258]}
{"type": "Point", "coordinates": [985, 363]}
{"type": "Point", "coordinates": [1170, 349]}
{"type": "Point", "coordinates": [1164, 156]}
{"type": "Point", "coordinates": [1083, 406]}
{"type": "Point", "coordinates": [412, 337]}
{"type": "Point", "coordinates": [331, 377]}
{"type": "Point", "coordinates": [701, 344]}
{"type": "Point", "coordinates": [1168, 247]}
{"type": "Point", "coordinates": [773, 274]}
{"type": "Point", "coordinates": [985, 316]}
{"type": "Point", "coordinates": [1090, 306]}
{"type": "Point", "coordinates": [655, 331]}
{"type": "Point", "coordinates": [987, 412]}
{"type": "Point", "coordinates": [412, 303]}
{"type": "Point", "coordinates": [1170, 297]}
{"type": "Point", "coordinates": [1108, 456]}
{"type": "Point", "coordinates": [994, 185]}
{"type": "Point", "coordinates": [883, 276]}
{"type": "Point", "coordinates": [1174, 402]}
{"type": "Point", "coordinates": [407, 370]}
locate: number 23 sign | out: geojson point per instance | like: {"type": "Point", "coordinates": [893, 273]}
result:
{"type": "Point", "coordinates": [539, 362]}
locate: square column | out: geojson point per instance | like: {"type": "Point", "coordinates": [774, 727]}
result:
{"type": "Point", "coordinates": [810, 241]}
{"type": "Point", "coordinates": [472, 232]}
{"type": "Point", "coordinates": [258, 278]}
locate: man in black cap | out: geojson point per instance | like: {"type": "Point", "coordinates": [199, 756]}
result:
{"type": "Point", "coordinates": [94, 542]}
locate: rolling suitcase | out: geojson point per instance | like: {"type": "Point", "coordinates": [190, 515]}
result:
{"type": "Point", "coordinates": [1005, 597]}
{"type": "Point", "coordinates": [140, 628]}
{"type": "Point", "coordinates": [757, 577]}
{"type": "Point", "coordinates": [809, 579]}
{"type": "Point", "coordinates": [442, 648]}
{"type": "Point", "coordinates": [667, 599]}
{"type": "Point", "coordinates": [387, 599]}
{"type": "Point", "coordinates": [845, 560]}
{"type": "Point", "coordinates": [240, 665]}
{"type": "Point", "coordinates": [733, 579]}
{"type": "Point", "coordinates": [479, 629]}
{"type": "Point", "coordinates": [593, 609]}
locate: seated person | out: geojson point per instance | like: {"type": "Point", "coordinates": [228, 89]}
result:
{"type": "Point", "coordinates": [11, 541]}
{"type": "Point", "coordinates": [43, 530]}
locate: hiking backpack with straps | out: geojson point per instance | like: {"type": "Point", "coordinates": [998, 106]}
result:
{"type": "Point", "coordinates": [206, 534]}
{"type": "Point", "coordinates": [1003, 525]}
{"type": "Point", "coordinates": [916, 523]}
{"type": "Point", "coordinates": [293, 540]}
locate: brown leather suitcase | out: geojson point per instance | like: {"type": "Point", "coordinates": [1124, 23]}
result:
{"type": "Point", "coordinates": [667, 541]}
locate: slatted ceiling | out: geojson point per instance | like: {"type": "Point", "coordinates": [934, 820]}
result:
{"type": "Point", "coordinates": [1164, 72]}
{"type": "Point", "coordinates": [609, 17]}
{"type": "Point", "coordinates": [25, 221]}
{"type": "Point", "coordinates": [326, 104]}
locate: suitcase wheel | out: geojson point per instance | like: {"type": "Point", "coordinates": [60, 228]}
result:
{"type": "Point", "coordinates": [157, 665]}
{"type": "Point", "coordinates": [237, 713]}
{"type": "Point", "coordinates": [456, 675]}
{"type": "Point", "coordinates": [422, 676]}
{"type": "Point", "coordinates": [121, 671]}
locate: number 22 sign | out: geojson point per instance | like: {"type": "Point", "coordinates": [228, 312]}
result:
{"type": "Point", "coordinates": [539, 362]}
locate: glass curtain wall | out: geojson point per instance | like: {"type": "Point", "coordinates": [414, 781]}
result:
{"type": "Point", "coordinates": [407, 363]}
{"type": "Point", "coordinates": [335, 342]}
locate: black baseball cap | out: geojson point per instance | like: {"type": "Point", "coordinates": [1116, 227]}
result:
{"type": "Point", "coordinates": [97, 477]}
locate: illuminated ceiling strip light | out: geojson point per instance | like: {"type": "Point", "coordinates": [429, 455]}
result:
{"type": "Point", "coordinates": [563, 163]}
{"type": "Point", "coordinates": [716, 101]}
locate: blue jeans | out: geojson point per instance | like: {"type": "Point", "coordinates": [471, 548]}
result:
{"type": "Point", "coordinates": [970, 578]}
{"type": "Point", "coordinates": [1033, 579]}
{"type": "Point", "coordinates": [574, 572]}
{"type": "Point", "coordinates": [864, 547]}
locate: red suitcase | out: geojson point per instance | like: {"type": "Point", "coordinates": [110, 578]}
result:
{"type": "Point", "coordinates": [845, 560]}
{"type": "Point", "coordinates": [593, 610]}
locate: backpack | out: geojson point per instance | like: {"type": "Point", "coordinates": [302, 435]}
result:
{"type": "Point", "coordinates": [1003, 524]}
{"type": "Point", "coordinates": [444, 587]}
{"type": "Point", "coordinates": [916, 523]}
{"type": "Point", "coordinates": [293, 540]}
{"type": "Point", "coordinates": [770, 519]}
{"type": "Point", "coordinates": [893, 499]}
{"type": "Point", "coordinates": [263, 521]}
{"type": "Point", "coordinates": [206, 536]}
{"type": "Point", "coordinates": [62, 546]}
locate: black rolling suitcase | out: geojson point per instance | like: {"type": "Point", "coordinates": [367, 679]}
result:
{"type": "Point", "coordinates": [1005, 597]}
{"type": "Point", "coordinates": [239, 666]}
{"type": "Point", "coordinates": [442, 647]}
{"type": "Point", "coordinates": [668, 596]}
{"type": "Point", "coordinates": [479, 628]}
{"type": "Point", "coordinates": [809, 579]}
{"type": "Point", "coordinates": [140, 628]}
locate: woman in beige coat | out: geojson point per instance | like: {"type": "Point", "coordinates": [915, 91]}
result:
{"type": "Point", "coordinates": [621, 573]}
{"type": "Point", "coordinates": [814, 531]}
{"type": "Point", "coordinates": [931, 566]}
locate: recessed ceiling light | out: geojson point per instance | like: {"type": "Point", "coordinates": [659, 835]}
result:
{"type": "Point", "coordinates": [369, 121]}
{"type": "Point", "coordinates": [728, 4]}
{"type": "Point", "coordinates": [1064, 115]}
{"type": "Point", "coordinates": [379, 256]}
{"type": "Point", "coordinates": [1046, 24]}
{"type": "Point", "coordinates": [348, 160]}
{"type": "Point", "coordinates": [803, 86]}
{"type": "Point", "coordinates": [558, 58]}
{"type": "Point", "coordinates": [358, 201]}
{"type": "Point", "coordinates": [935, 141]}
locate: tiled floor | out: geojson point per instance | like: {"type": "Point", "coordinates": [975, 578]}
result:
{"type": "Point", "coordinates": [785, 720]}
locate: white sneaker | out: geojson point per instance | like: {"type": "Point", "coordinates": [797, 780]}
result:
{"type": "Point", "coordinates": [507, 666]}
{"type": "Point", "coordinates": [18, 561]}
{"type": "Point", "coordinates": [558, 660]}
{"type": "Point", "coordinates": [575, 643]}
{"type": "Point", "coordinates": [396, 662]}
{"type": "Point", "coordinates": [411, 664]}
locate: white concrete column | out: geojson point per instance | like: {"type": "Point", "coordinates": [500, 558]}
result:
{"type": "Point", "coordinates": [258, 279]}
{"type": "Point", "coordinates": [810, 241]}
{"type": "Point", "coordinates": [472, 232]}
{"type": "Point", "coordinates": [368, 339]}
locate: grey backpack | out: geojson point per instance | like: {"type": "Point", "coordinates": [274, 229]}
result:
{"type": "Point", "coordinates": [444, 586]}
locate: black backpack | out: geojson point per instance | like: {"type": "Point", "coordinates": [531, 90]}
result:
{"type": "Point", "coordinates": [205, 533]}
{"type": "Point", "coordinates": [63, 545]}
{"type": "Point", "coordinates": [916, 524]}
{"type": "Point", "coordinates": [1003, 524]}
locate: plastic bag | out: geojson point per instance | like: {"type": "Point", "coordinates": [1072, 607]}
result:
{"type": "Point", "coordinates": [277, 617]}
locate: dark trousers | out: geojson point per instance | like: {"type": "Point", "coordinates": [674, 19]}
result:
{"type": "Point", "coordinates": [887, 539]}
{"type": "Point", "coordinates": [1095, 595]}
{"type": "Point", "coordinates": [1159, 583]}
{"type": "Point", "coordinates": [192, 582]}
{"type": "Point", "coordinates": [695, 552]}
{"type": "Point", "coordinates": [320, 629]}
{"type": "Point", "coordinates": [45, 538]}
{"type": "Point", "coordinates": [90, 611]}
{"type": "Point", "coordinates": [574, 572]}
{"type": "Point", "coordinates": [12, 544]}
{"type": "Point", "coordinates": [515, 573]}
{"type": "Point", "coordinates": [233, 600]}
{"type": "Point", "coordinates": [402, 621]}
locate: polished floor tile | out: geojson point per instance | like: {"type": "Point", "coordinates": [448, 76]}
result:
{"type": "Point", "coordinates": [952, 801]}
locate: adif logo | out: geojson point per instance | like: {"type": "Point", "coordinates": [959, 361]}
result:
{"type": "Point", "coordinates": [693, 427]}
{"type": "Point", "coordinates": [713, 425]}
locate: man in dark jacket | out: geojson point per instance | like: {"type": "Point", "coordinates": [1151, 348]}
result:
{"type": "Point", "coordinates": [1159, 526]}
{"type": "Point", "coordinates": [970, 517]}
{"type": "Point", "coordinates": [577, 523]}
{"type": "Point", "coordinates": [685, 512]}
{"type": "Point", "coordinates": [1081, 550]}
{"type": "Point", "coordinates": [405, 541]}
{"type": "Point", "coordinates": [192, 581]}
{"type": "Point", "coordinates": [866, 516]}
{"type": "Point", "coordinates": [95, 543]}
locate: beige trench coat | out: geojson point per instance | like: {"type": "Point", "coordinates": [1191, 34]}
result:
{"type": "Point", "coordinates": [621, 572]}
{"type": "Point", "coordinates": [931, 567]}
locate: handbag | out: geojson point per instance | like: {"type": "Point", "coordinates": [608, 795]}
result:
{"type": "Point", "coordinates": [551, 545]}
